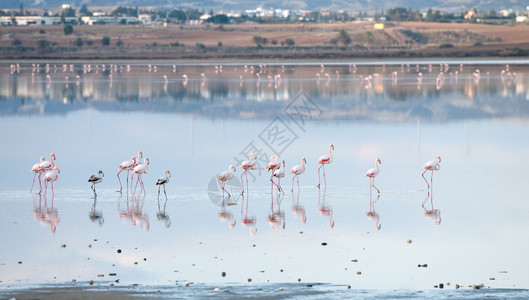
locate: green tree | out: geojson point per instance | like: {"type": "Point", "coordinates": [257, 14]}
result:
{"type": "Point", "coordinates": [289, 42]}
{"type": "Point", "coordinates": [344, 38]}
{"type": "Point", "coordinates": [105, 41]}
{"type": "Point", "coordinates": [79, 42]}
{"type": "Point", "coordinates": [68, 29]}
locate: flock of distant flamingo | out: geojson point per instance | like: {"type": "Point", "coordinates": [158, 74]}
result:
{"type": "Point", "coordinates": [261, 70]}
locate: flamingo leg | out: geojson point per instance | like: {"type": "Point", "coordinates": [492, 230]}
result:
{"type": "Point", "coordinates": [165, 195]}
{"type": "Point", "coordinates": [242, 181]}
{"type": "Point", "coordinates": [247, 192]}
{"type": "Point", "coordinates": [297, 179]}
{"type": "Point", "coordinates": [120, 185]}
{"type": "Point", "coordinates": [292, 190]}
{"type": "Point", "coordinates": [40, 183]}
{"type": "Point", "coordinates": [431, 184]}
{"type": "Point", "coordinates": [373, 184]}
{"type": "Point", "coordinates": [370, 191]}
{"type": "Point", "coordinates": [137, 180]}
{"type": "Point", "coordinates": [324, 179]}
{"type": "Point", "coordinates": [46, 187]}
{"type": "Point", "coordinates": [425, 179]}
{"type": "Point", "coordinates": [319, 181]}
{"type": "Point", "coordinates": [52, 191]}
{"type": "Point", "coordinates": [159, 195]}
{"type": "Point", "coordinates": [279, 186]}
{"type": "Point", "coordinates": [31, 190]}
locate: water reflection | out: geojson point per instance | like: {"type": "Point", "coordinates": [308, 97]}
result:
{"type": "Point", "coordinates": [325, 210]}
{"type": "Point", "coordinates": [372, 214]}
{"type": "Point", "coordinates": [46, 215]}
{"type": "Point", "coordinates": [245, 220]}
{"type": "Point", "coordinates": [297, 209]}
{"type": "Point", "coordinates": [226, 216]}
{"type": "Point", "coordinates": [162, 214]}
{"type": "Point", "coordinates": [133, 211]}
{"type": "Point", "coordinates": [432, 213]}
{"type": "Point", "coordinates": [343, 94]}
{"type": "Point", "coordinates": [96, 215]}
{"type": "Point", "coordinates": [276, 218]}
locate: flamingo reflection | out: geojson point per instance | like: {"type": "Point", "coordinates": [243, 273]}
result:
{"type": "Point", "coordinates": [46, 215]}
{"type": "Point", "coordinates": [134, 212]}
{"type": "Point", "coordinates": [324, 210]}
{"type": "Point", "coordinates": [96, 215]}
{"type": "Point", "coordinates": [276, 218]}
{"type": "Point", "coordinates": [432, 213]}
{"type": "Point", "coordinates": [372, 214]}
{"type": "Point", "coordinates": [297, 209]}
{"type": "Point", "coordinates": [161, 214]}
{"type": "Point", "coordinates": [225, 215]}
{"type": "Point", "coordinates": [245, 221]}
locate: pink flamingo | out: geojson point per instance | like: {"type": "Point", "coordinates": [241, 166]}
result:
{"type": "Point", "coordinates": [46, 166]}
{"type": "Point", "coordinates": [127, 165]}
{"type": "Point", "coordinates": [326, 159]}
{"type": "Point", "coordinates": [248, 165]}
{"type": "Point", "coordinates": [273, 165]}
{"type": "Point", "coordinates": [141, 169]}
{"type": "Point", "coordinates": [280, 173]}
{"type": "Point", "coordinates": [51, 176]}
{"type": "Point", "coordinates": [34, 170]}
{"type": "Point", "coordinates": [431, 166]}
{"type": "Point", "coordinates": [372, 173]}
{"type": "Point", "coordinates": [298, 170]}
{"type": "Point", "coordinates": [225, 176]}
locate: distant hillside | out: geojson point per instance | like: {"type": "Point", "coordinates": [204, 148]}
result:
{"type": "Point", "coordinates": [228, 5]}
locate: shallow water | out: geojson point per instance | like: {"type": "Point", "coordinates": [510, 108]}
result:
{"type": "Point", "coordinates": [472, 230]}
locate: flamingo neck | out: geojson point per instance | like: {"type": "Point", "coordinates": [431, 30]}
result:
{"type": "Point", "coordinates": [330, 154]}
{"type": "Point", "coordinates": [303, 164]}
{"type": "Point", "coordinates": [376, 165]}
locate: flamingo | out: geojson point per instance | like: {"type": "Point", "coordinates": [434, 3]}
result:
{"type": "Point", "coordinates": [372, 173]}
{"type": "Point", "coordinates": [94, 179]}
{"type": "Point", "coordinates": [326, 159]}
{"type": "Point", "coordinates": [298, 170]}
{"type": "Point", "coordinates": [51, 176]}
{"type": "Point", "coordinates": [46, 165]}
{"type": "Point", "coordinates": [280, 173]}
{"type": "Point", "coordinates": [162, 181]}
{"type": "Point", "coordinates": [248, 165]}
{"type": "Point", "coordinates": [273, 165]}
{"type": "Point", "coordinates": [141, 169]}
{"type": "Point", "coordinates": [34, 170]}
{"type": "Point", "coordinates": [431, 166]}
{"type": "Point", "coordinates": [225, 176]}
{"type": "Point", "coordinates": [126, 165]}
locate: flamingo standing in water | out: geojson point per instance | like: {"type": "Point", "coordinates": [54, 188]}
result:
{"type": "Point", "coordinates": [44, 166]}
{"type": "Point", "coordinates": [298, 170]}
{"type": "Point", "coordinates": [280, 173]}
{"type": "Point", "coordinates": [273, 165]}
{"type": "Point", "coordinates": [51, 176]}
{"type": "Point", "coordinates": [431, 166]}
{"type": "Point", "coordinates": [141, 169]}
{"type": "Point", "coordinates": [162, 181]}
{"type": "Point", "coordinates": [34, 170]}
{"type": "Point", "coordinates": [248, 165]}
{"type": "Point", "coordinates": [225, 176]}
{"type": "Point", "coordinates": [95, 179]}
{"type": "Point", "coordinates": [326, 159]}
{"type": "Point", "coordinates": [372, 173]}
{"type": "Point", "coordinates": [126, 165]}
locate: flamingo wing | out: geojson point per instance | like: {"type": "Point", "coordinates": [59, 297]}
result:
{"type": "Point", "coordinates": [94, 178]}
{"type": "Point", "coordinates": [162, 180]}
{"type": "Point", "coordinates": [324, 159]}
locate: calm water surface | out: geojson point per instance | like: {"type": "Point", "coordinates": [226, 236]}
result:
{"type": "Point", "coordinates": [471, 230]}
